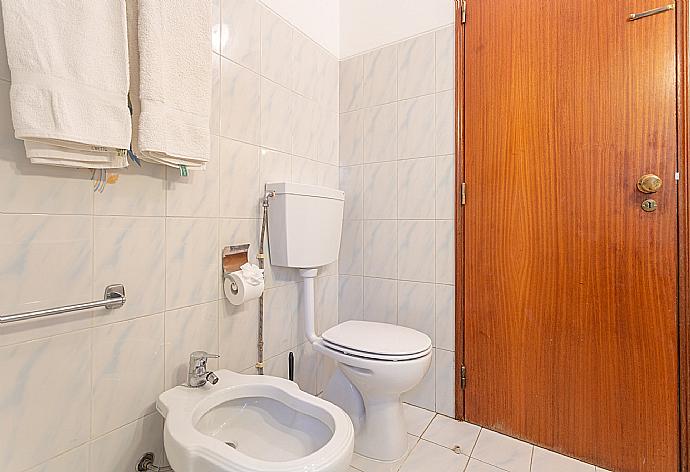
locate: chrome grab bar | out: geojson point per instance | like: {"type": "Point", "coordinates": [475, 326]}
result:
{"type": "Point", "coordinates": [113, 298]}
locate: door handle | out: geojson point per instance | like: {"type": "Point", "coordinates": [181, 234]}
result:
{"type": "Point", "coordinates": [649, 183]}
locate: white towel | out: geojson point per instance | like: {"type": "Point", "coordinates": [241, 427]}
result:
{"type": "Point", "coordinates": [70, 80]}
{"type": "Point", "coordinates": [174, 82]}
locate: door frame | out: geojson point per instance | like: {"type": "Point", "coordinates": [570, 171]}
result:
{"type": "Point", "coordinates": [683, 121]}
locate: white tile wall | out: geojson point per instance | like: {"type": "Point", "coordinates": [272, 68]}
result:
{"type": "Point", "coordinates": [81, 388]}
{"type": "Point", "coordinates": [397, 171]}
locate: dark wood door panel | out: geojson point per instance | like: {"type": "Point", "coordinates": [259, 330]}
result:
{"type": "Point", "coordinates": [570, 288]}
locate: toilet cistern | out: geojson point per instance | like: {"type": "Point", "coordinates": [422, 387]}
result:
{"type": "Point", "coordinates": [198, 374]}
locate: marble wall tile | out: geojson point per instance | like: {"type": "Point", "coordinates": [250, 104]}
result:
{"type": "Point", "coordinates": [305, 171]}
{"type": "Point", "coordinates": [192, 261]}
{"type": "Point", "coordinates": [240, 189]}
{"type": "Point", "coordinates": [238, 334]}
{"type": "Point", "coordinates": [129, 251]}
{"type": "Point", "coordinates": [304, 127]}
{"type": "Point", "coordinates": [416, 250]}
{"type": "Point", "coordinates": [351, 84]}
{"type": "Point", "coordinates": [381, 248]}
{"type": "Point", "coordinates": [214, 118]}
{"type": "Point", "coordinates": [380, 190]}
{"type": "Point", "coordinates": [281, 311]}
{"type": "Point", "coordinates": [445, 252]}
{"type": "Point", "coordinates": [276, 48]}
{"type": "Point", "coordinates": [305, 65]}
{"type": "Point", "coordinates": [445, 59]}
{"type": "Point", "coordinates": [240, 38]}
{"type": "Point", "coordinates": [48, 376]}
{"type": "Point", "coordinates": [326, 289]}
{"type": "Point", "coordinates": [118, 450]}
{"type": "Point", "coordinates": [306, 363]}
{"type": "Point", "coordinates": [276, 116]}
{"type": "Point", "coordinates": [381, 133]}
{"type": "Point", "coordinates": [381, 76]}
{"type": "Point", "coordinates": [445, 382]}
{"type": "Point", "coordinates": [351, 138]}
{"type": "Point", "coordinates": [197, 193]}
{"type": "Point", "coordinates": [139, 191]}
{"type": "Point", "coordinates": [445, 123]}
{"type": "Point", "coordinates": [445, 187]}
{"type": "Point", "coordinates": [416, 189]}
{"type": "Point", "coordinates": [416, 307]}
{"type": "Point", "coordinates": [352, 183]}
{"type": "Point", "coordinates": [187, 330]}
{"type": "Point", "coordinates": [125, 387]}
{"type": "Point", "coordinates": [350, 260]}
{"type": "Point", "coordinates": [240, 101]}
{"type": "Point", "coordinates": [381, 300]}
{"type": "Point", "coordinates": [327, 137]}
{"type": "Point", "coordinates": [445, 317]}
{"type": "Point", "coordinates": [416, 129]}
{"type": "Point", "coordinates": [350, 298]}
{"type": "Point", "coordinates": [215, 26]}
{"type": "Point", "coordinates": [45, 261]}
{"type": "Point", "coordinates": [67, 462]}
{"type": "Point", "coordinates": [327, 87]}
{"type": "Point", "coordinates": [416, 66]}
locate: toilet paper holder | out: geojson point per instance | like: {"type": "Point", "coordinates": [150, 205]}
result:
{"type": "Point", "coordinates": [234, 257]}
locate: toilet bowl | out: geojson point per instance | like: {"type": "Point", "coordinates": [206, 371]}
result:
{"type": "Point", "coordinates": [249, 423]}
{"type": "Point", "coordinates": [377, 362]}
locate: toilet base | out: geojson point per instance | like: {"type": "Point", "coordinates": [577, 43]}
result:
{"type": "Point", "coordinates": [378, 419]}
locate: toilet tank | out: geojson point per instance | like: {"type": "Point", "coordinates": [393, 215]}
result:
{"type": "Point", "coordinates": [304, 225]}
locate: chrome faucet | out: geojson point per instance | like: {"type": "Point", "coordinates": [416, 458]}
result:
{"type": "Point", "coordinates": [198, 375]}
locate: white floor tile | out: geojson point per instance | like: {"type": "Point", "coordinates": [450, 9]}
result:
{"type": "Point", "coordinates": [599, 469]}
{"type": "Point", "coordinates": [476, 466]}
{"type": "Point", "coordinates": [364, 465]}
{"type": "Point", "coordinates": [417, 419]}
{"type": "Point", "coordinates": [548, 461]}
{"type": "Point", "coordinates": [451, 433]}
{"type": "Point", "coordinates": [503, 451]}
{"type": "Point", "coordinates": [429, 456]}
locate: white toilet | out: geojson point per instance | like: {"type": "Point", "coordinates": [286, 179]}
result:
{"type": "Point", "coordinates": [377, 362]}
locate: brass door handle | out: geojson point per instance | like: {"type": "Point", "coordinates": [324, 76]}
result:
{"type": "Point", "coordinates": [649, 183]}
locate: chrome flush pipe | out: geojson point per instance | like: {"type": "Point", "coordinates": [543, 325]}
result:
{"type": "Point", "coordinates": [261, 257]}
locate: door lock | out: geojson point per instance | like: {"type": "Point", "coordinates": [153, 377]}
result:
{"type": "Point", "coordinates": [649, 183]}
{"type": "Point", "coordinates": [649, 205]}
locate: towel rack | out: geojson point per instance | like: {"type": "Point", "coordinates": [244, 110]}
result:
{"type": "Point", "coordinates": [114, 297]}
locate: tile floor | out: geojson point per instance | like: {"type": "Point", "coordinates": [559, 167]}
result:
{"type": "Point", "coordinates": [442, 444]}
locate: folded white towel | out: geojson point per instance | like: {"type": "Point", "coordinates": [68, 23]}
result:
{"type": "Point", "coordinates": [174, 82]}
{"type": "Point", "coordinates": [70, 80]}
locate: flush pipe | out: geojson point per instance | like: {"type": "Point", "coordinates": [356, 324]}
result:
{"type": "Point", "coordinates": [308, 301]}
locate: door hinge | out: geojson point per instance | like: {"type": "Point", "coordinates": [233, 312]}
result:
{"type": "Point", "coordinates": [463, 377]}
{"type": "Point", "coordinates": [463, 11]}
{"type": "Point", "coordinates": [463, 193]}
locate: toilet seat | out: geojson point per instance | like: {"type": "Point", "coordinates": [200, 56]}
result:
{"type": "Point", "coordinates": [378, 341]}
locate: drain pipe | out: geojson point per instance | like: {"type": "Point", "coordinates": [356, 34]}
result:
{"type": "Point", "coordinates": [261, 257]}
{"type": "Point", "coordinates": [146, 464]}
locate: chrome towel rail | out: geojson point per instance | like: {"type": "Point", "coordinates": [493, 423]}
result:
{"type": "Point", "coordinates": [114, 297]}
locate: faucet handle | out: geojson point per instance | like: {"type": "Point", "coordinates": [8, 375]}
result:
{"type": "Point", "coordinates": [199, 355]}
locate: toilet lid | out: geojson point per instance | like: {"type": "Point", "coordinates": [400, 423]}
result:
{"type": "Point", "coordinates": [378, 338]}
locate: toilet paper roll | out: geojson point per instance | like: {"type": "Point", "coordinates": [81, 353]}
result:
{"type": "Point", "coordinates": [238, 291]}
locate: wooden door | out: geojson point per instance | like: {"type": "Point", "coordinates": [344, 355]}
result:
{"type": "Point", "coordinates": [570, 288]}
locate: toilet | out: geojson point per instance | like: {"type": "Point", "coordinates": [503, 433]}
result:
{"type": "Point", "coordinates": [377, 362]}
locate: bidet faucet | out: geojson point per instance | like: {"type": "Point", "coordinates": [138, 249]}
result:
{"type": "Point", "coordinates": [198, 375]}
